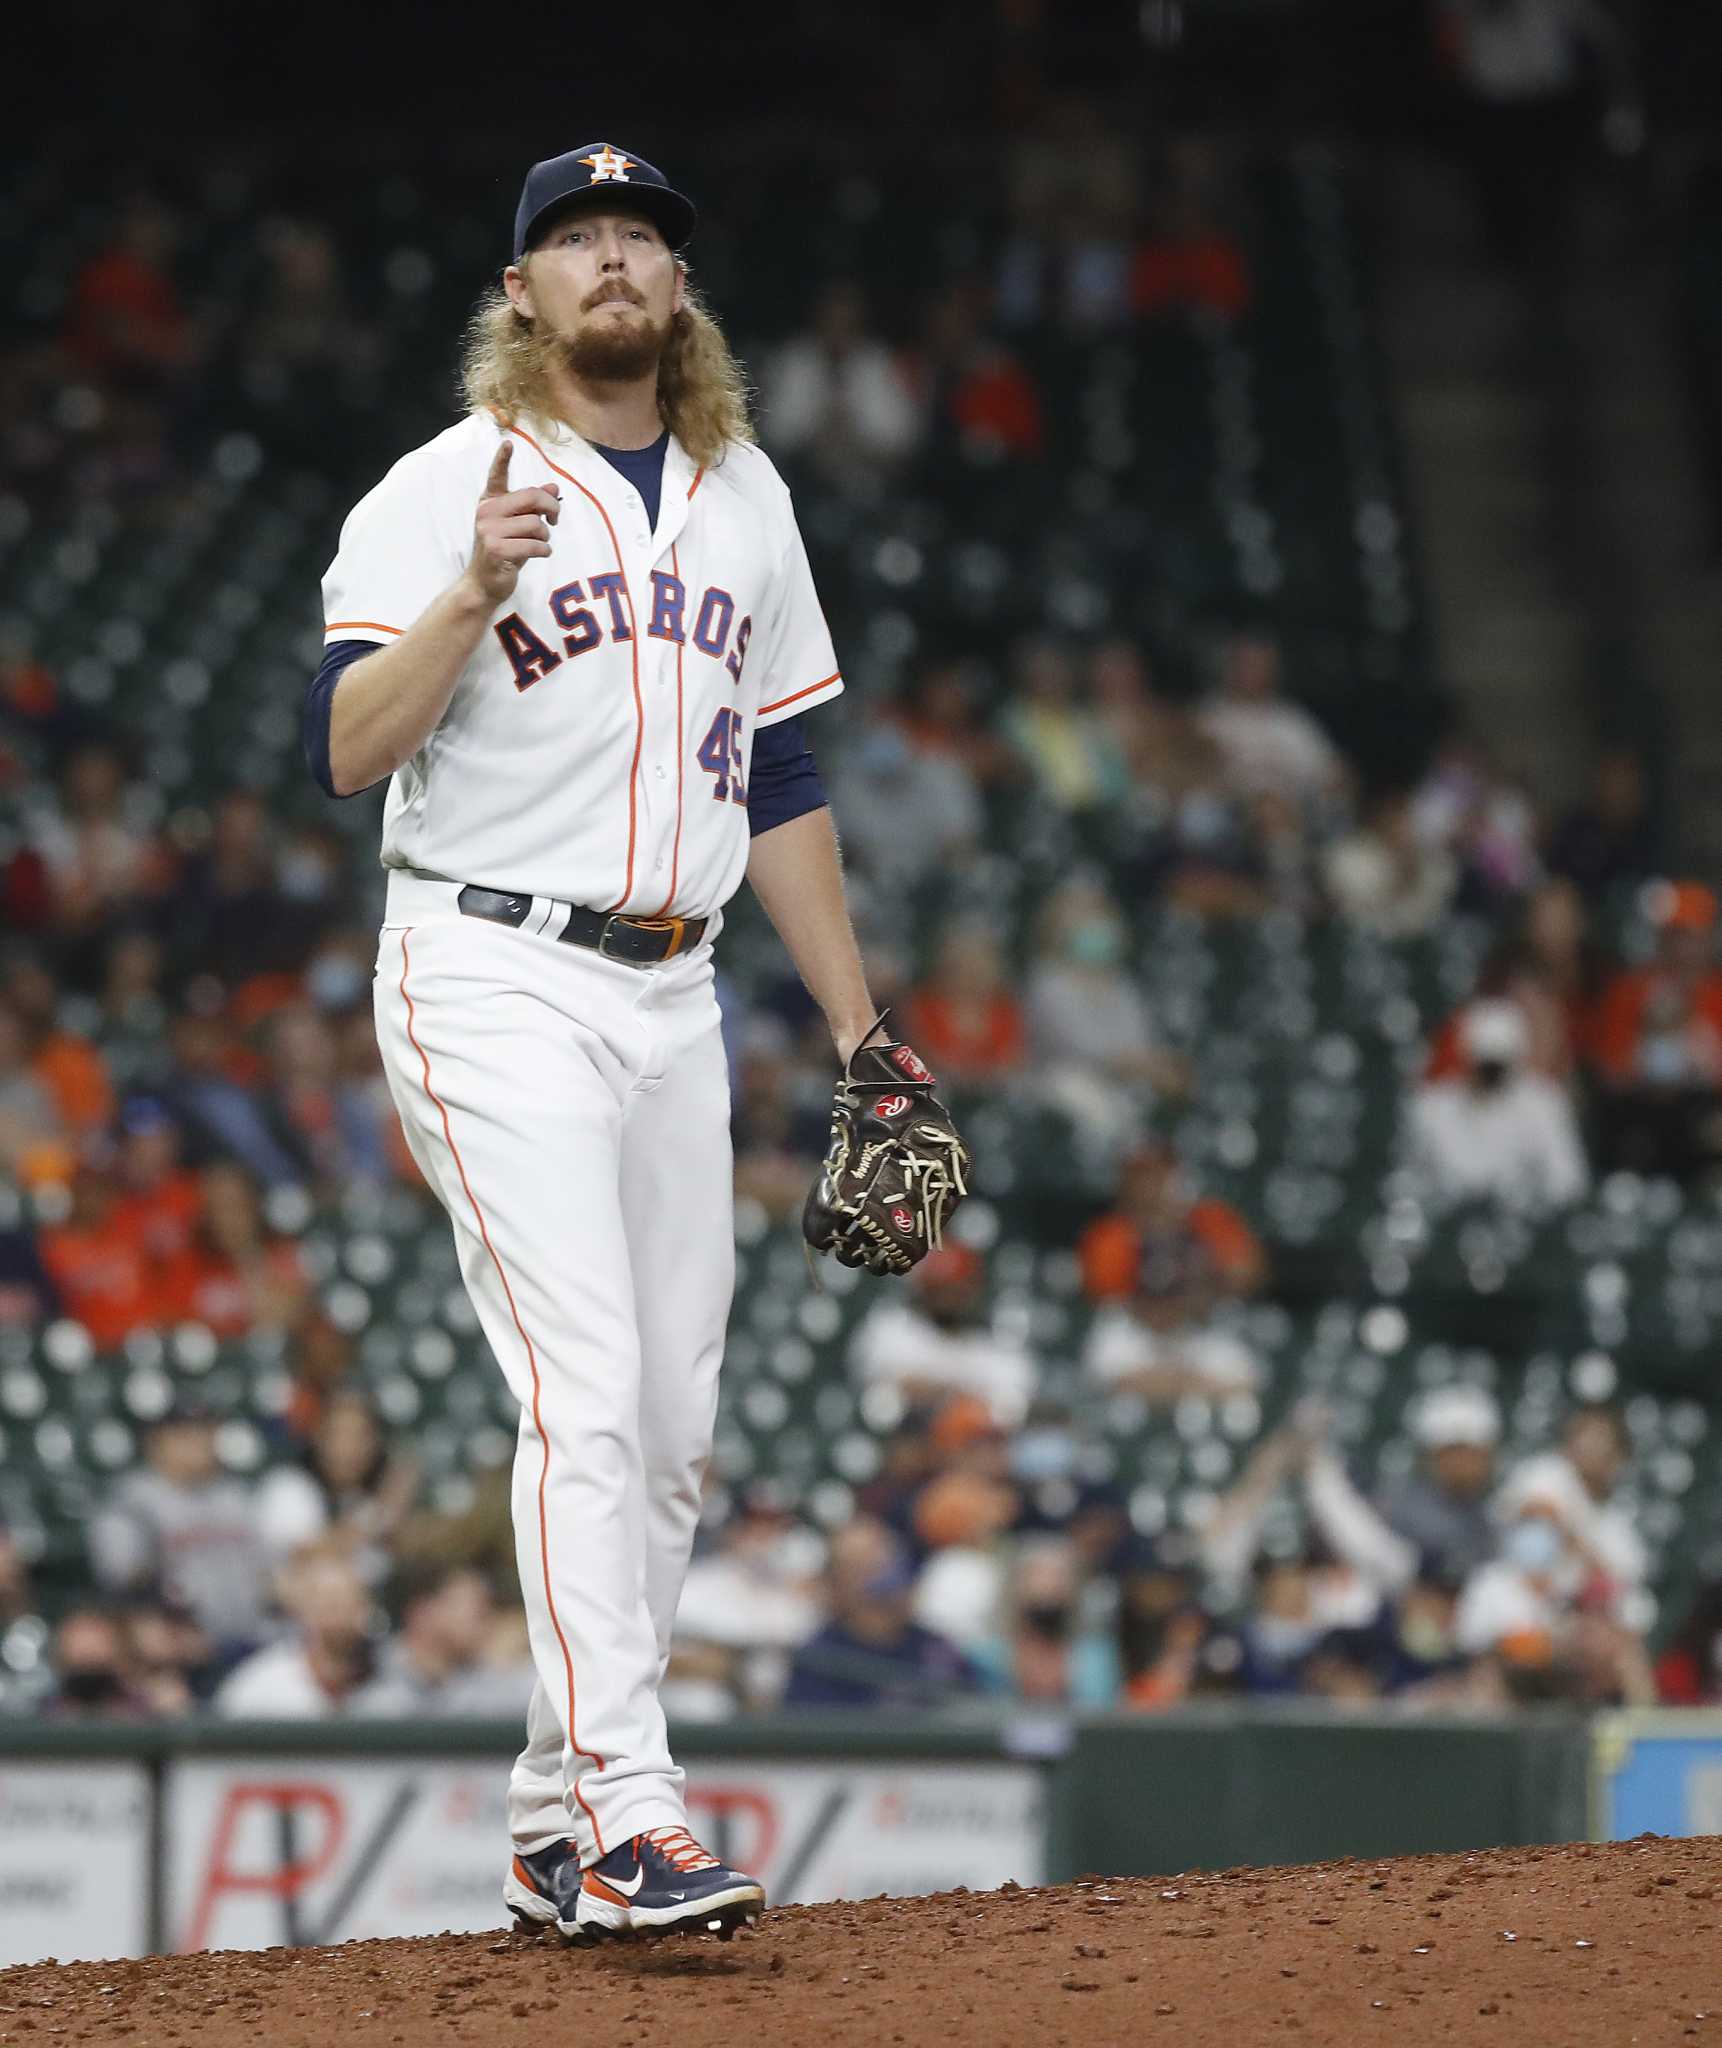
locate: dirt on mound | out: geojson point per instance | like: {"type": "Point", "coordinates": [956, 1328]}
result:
{"type": "Point", "coordinates": [1572, 1946]}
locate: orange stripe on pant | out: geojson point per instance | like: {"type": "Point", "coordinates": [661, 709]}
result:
{"type": "Point", "coordinates": [532, 1363]}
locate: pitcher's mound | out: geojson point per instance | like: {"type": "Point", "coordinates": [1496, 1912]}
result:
{"type": "Point", "coordinates": [1551, 1948]}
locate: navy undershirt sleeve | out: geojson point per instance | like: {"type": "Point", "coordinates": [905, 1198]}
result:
{"type": "Point", "coordinates": [643, 468]}
{"type": "Point", "coordinates": [783, 778]}
{"type": "Point", "coordinates": [338, 657]}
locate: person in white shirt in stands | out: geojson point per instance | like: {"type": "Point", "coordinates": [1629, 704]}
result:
{"type": "Point", "coordinates": [837, 394]}
{"type": "Point", "coordinates": [1497, 1130]}
{"type": "Point", "coordinates": [313, 1673]}
{"type": "Point", "coordinates": [1267, 742]}
{"type": "Point", "coordinates": [1164, 1343]}
{"type": "Point", "coordinates": [1384, 878]}
{"type": "Point", "coordinates": [747, 1605]}
{"type": "Point", "coordinates": [1579, 1489]}
{"type": "Point", "coordinates": [940, 1340]}
{"type": "Point", "coordinates": [1515, 1603]}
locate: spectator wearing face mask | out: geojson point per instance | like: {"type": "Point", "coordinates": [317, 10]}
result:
{"type": "Point", "coordinates": [1090, 1028]}
{"type": "Point", "coordinates": [1497, 1131]}
{"type": "Point", "coordinates": [1516, 1604]}
{"type": "Point", "coordinates": [1046, 1654]}
{"type": "Point", "coordinates": [90, 1667]}
{"type": "Point", "coordinates": [1656, 1044]}
{"type": "Point", "coordinates": [1294, 1599]}
{"type": "Point", "coordinates": [316, 1670]}
{"type": "Point", "coordinates": [1580, 1488]}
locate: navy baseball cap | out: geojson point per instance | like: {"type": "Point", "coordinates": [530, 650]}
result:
{"type": "Point", "coordinates": [603, 172]}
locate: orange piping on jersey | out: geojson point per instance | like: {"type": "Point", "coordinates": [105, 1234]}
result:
{"type": "Point", "coordinates": [633, 649]}
{"type": "Point", "coordinates": [370, 626]}
{"type": "Point", "coordinates": [676, 849]}
{"type": "Point", "coordinates": [799, 694]}
{"type": "Point", "coordinates": [532, 1362]}
{"type": "Point", "coordinates": [698, 473]}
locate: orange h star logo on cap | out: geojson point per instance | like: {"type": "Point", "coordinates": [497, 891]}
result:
{"type": "Point", "coordinates": [607, 163]}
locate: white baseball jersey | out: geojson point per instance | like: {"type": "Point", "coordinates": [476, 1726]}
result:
{"type": "Point", "coordinates": [597, 745]}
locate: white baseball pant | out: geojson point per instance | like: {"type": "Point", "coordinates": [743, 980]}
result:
{"type": "Point", "coordinates": [572, 1113]}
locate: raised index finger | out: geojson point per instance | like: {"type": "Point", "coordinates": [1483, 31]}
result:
{"type": "Point", "coordinates": [497, 481]}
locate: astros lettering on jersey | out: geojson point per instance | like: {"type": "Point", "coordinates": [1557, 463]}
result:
{"type": "Point", "coordinates": [596, 748]}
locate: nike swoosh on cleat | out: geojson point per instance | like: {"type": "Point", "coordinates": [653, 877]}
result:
{"type": "Point", "coordinates": [627, 1890]}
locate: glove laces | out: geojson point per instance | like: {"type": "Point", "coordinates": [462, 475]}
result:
{"type": "Point", "coordinates": [935, 1178]}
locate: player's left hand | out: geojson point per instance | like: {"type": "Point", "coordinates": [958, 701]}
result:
{"type": "Point", "coordinates": [896, 1167]}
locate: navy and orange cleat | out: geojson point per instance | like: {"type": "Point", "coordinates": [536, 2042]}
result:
{"type": "Point", "coordinates": [661, 1882]}
{"type": "Point", "coordinates": [543, 1887]}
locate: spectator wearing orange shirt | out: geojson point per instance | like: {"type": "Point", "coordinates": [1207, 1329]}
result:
{"type": "Point", "coordinates": [973, 387]}
{"type": "Point", "coordinates": [1187, 261]}
{"type": "Point", "coordinates": [159, 1201]}
{"type": "Point", "coordinates": [105, 1278]}
{"type": "Point", "coordinates": [235, 1275]}
{"type": "Point", "coordinates": [1656, 1043]}
{"type": "Point", "coordinates": [68, 1066]}
{"type": "Point", "coordinates": [127, 323]}
{"type": "Point", "coordinates": [1157, 1209]}
{"type": "Point", "coordinates": [964, 1017]}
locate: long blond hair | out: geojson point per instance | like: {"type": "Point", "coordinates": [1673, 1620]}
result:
{"type": "Point", "coordinates": [702, 388]}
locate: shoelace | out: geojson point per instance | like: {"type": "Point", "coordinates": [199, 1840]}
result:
{"type": "Point", "coordinates": [678, 1847]}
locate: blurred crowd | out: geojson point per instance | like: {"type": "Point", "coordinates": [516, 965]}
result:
{"type": "Point", "coordinates": [188, 1071]}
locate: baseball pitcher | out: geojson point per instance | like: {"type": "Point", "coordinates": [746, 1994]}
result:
{"type": "Point", "coordinates": [577, 632]}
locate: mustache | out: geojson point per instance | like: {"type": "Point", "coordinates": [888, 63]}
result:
{"type": "Point", "coordinates": [615, 289]}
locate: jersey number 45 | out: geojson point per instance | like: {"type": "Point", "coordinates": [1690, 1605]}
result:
{"type": "Point", "coordinates": [720, 756]}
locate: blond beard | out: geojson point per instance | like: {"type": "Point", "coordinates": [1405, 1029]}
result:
{"type": "Point", "coordinates": [613, 354]}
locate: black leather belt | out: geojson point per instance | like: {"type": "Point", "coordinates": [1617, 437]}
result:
{"type": "Point", "coordinates": [635, 941]}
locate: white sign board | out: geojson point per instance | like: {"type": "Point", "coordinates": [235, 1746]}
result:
{"type": "Point", "coordinates": [74, 1861]}
{"type": "Point", "coordinates": [262, 1850]}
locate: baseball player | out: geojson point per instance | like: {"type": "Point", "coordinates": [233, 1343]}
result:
{"type": "Point", "coordinates": [578, 632]}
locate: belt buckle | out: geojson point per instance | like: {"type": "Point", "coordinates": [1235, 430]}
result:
{"type": "Point", "coordinates": [675, 926]}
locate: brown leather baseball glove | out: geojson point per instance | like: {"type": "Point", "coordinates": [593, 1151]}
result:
{"type": "Point", "coordinates": [896, 1167]}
